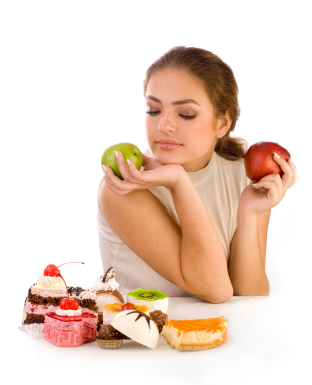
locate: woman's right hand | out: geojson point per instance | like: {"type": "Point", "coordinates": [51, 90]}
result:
{"type": "Point", "coordinates": [154, 174]}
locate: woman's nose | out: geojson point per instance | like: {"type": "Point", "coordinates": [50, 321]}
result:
{"type": "Point", "coordinates": [166, 124]}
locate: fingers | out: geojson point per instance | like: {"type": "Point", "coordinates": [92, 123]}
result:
{"type": "Point", "coordinates": [270, 181]}
{"type": "Point", "coordinates": [120, 187]}
{"type": "Point", "coordinates": [129, 182]}
{"type": "Point", "coordinates": [124, 169]}
{"type": "Point", "coordinates": [295, 172]}
{"type": "Point", "coordinates": [275, 193]}
{"type": "Point", "coordinates": [288, 175]}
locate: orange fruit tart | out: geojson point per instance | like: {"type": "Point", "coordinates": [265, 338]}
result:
{"type": "Point", "coordinates": [198, 334]}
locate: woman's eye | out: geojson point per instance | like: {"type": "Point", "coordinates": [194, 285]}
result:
{"type": "Point", "coordinates": [153, 113]}
{"type": "Point", "coordinates": [187, 117]}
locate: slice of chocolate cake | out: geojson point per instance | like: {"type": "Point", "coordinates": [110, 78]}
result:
{"type": "Point", "coordinates": [45, 297]}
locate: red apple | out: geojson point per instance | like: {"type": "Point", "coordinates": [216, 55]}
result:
{"type": "Point", "coordinates": [259, 160]}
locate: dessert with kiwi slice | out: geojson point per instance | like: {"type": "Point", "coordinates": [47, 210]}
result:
{"type": "Point", "coordinates": [153, 299]}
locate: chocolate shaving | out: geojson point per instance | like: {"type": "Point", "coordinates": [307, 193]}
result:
{"type": "Point", "coordinates": [109, 274]}
{"type": "Point", "coordinates": [141, 314]}
{"type": "Point", "coordinates": [75, 290]}
{"type": "Point", "coordinates": [159, 318]}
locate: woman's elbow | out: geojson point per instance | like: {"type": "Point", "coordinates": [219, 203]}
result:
{"type": "Point", "coordinates": [218, 297]}
{"type": "Point", "coordinates": [248, 292]}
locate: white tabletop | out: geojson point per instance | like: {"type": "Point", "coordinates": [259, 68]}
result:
{"type": "Point", "coordinates": [265, 342]}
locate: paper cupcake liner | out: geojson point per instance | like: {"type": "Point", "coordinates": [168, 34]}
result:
{"type": "Point", "coordinates": [109, 344]}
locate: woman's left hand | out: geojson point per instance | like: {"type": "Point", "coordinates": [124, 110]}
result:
{"type": "Point", "coordinates": [153, 174]}
{"type": "Point", "coordinates": [270, 190]}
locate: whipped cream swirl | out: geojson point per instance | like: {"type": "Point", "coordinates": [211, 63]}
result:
{"type": "Point", "coordinates": [111, 284]}
{"type": "Point", "coordinates": [69, 312]}
{"type": "Point", "coordinates": [49, 282]}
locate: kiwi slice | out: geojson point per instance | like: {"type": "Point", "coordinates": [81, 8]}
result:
{"type": "Point", "coordinates": [147, 295]}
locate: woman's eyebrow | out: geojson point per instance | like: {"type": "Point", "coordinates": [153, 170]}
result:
{"type": "Point", "coordinates": [185, 101]}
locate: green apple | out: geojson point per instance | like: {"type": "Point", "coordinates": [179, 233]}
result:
{"type": "Point", "coordinates": [129, 151]}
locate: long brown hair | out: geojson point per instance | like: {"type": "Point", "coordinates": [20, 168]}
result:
{"type": "Point", "coordinates": [220, 84]}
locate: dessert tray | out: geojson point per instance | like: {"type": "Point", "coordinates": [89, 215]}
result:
{"type": "Point", "coordinates": [71, 316]}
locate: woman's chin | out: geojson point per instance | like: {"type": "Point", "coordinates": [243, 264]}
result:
{"type": "Point", "coordinates": [166, 157]}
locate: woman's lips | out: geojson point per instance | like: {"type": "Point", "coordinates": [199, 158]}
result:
{"type": "Point", "coordinates": [168, 146]}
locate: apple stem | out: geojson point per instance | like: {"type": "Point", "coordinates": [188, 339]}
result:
{"type": "Point", "coordinates": [69, 262]}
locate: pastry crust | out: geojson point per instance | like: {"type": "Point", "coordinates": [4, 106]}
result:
{"type": "Point", "coordinates": [196, 346]}
{"type": "Point", "coordinates": [208, 338]}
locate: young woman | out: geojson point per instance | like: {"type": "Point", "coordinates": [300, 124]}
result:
{"type": "Point", "coordinates": [189, 222]}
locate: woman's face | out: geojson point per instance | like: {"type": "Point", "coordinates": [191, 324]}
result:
{"type": "Point", "coordinates": [178, 108]}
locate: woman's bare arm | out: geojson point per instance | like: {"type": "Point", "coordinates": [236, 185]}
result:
{"type": "Point", "coordinates": [191, 255]}
{"type": "Point", "coordinates": [248, 249]}
{"type": "Point", "coordinates": [203, 261]}
{"type": "Point", "coordinates": [247, 257]}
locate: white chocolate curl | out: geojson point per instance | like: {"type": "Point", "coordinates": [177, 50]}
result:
{"type": "Point", "coordinates": [111, 284]}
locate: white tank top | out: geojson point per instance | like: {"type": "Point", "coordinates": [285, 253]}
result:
{"type": "Point", "coordinates": [219, 184]}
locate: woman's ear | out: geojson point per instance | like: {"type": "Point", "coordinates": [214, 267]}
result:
{"type": "Point", "coordinates": [224, 124]}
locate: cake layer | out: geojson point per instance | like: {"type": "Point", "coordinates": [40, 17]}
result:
{"type": "Point", "coordinates": [107, 297]}
{"type": "Point", "coordinates": [159, 304]}
{"type": "Point", "coordinates": [49, 292]}
{"type": "Point", "coordinates": [54, 323]}
{"type": "Point", "coordinates": [43, 300]}
{"type": "Point", "coordinates": [33, 319]}
{"type": "Point", "coordinates": [85, 298]}
{"type": "Point", "coordinates": [31, 309]}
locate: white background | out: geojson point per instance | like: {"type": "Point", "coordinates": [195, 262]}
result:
{"type": "Point", "coordinates": [71, 85]}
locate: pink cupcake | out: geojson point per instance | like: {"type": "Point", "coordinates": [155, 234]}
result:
{"type": "Point", "coordinates": [68, 326]}
{"type": "Point", "coordinates": [63, 330]}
